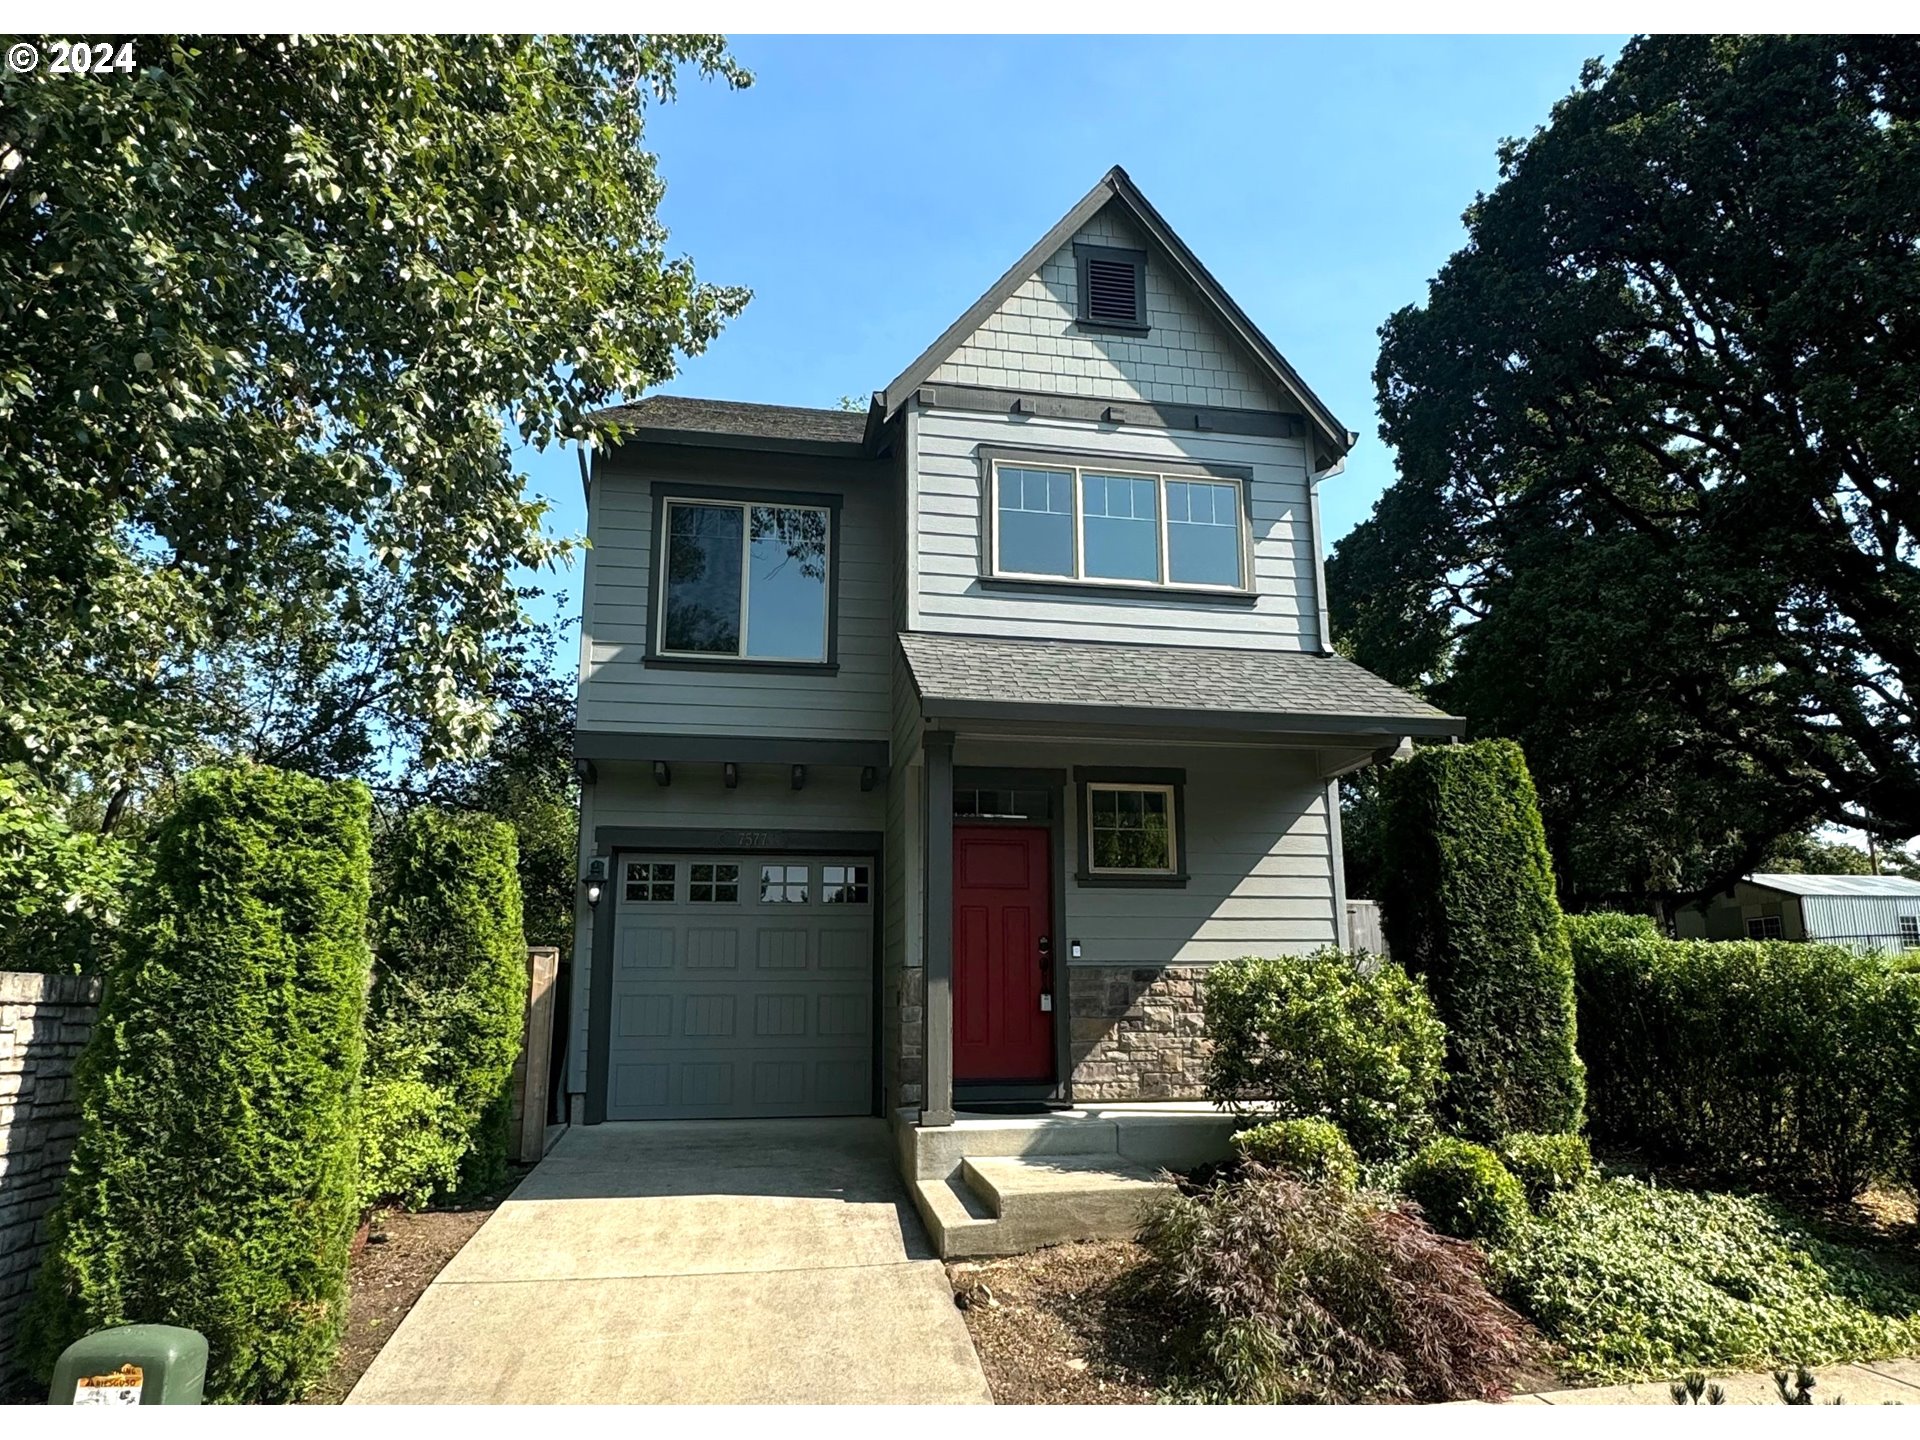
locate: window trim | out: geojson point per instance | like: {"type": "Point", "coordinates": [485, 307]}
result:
{"type": "Point", "coordinates": [663, 494]}
{"type": "Point", "coordinates": [1083, 295]}
{"type": "Point", "coordinates": [1077, 465]}
{"type": "Point", "coordinates": [1087, 779]}
{"type": "Point", "coordinates": [1762, 921]}
{"type": "Point", "coordinates": [1909, 928]}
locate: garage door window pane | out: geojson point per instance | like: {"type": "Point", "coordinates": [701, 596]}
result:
{"type": "Point", "coordinates": [714, 884]}
{"type": "Point", "coordinates": [845, 885]}
{"type": "Point", "coordinates": [649, 883]}
{"type": "Point", "coordinates": [783, 884]}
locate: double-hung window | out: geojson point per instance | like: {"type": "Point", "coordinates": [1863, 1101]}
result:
{"type": "Point", "coordinates": [1118, 525]}
{"type": "Point", "coordinates": [744, 580]}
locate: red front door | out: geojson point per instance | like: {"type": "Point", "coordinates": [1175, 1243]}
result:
{"type": "Point", "coordinates": [1002, 897]}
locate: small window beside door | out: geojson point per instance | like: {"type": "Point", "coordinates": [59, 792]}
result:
{"type": "Point", "coordinates": [1132, 826]}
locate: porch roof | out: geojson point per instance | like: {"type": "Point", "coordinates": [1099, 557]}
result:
{"type": "Point", "coordinates": [961, 677]}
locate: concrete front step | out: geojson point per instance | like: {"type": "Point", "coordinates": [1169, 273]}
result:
{"type": "Point", "coordinates": [1010, 1205]}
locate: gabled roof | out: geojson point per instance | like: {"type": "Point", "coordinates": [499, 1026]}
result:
{"type": "Point", "coordinates": [969, 676]}
{"type": "Point", "coordinates": [1116, 188]}
{"type": "Point", "coordinates": [1885, 887]}
{"type": "Point", "coordinates": [685, 420]}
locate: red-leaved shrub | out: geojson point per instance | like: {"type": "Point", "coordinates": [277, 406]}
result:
{"type": "Point", "coordinates": [1284, 1291]}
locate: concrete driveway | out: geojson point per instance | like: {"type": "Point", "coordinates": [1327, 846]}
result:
{"type": "Point", "coordinates": [698, 1262]}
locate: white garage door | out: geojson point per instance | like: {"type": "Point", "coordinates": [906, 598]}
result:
{"type": "Point", "coordinates": [742, 986]}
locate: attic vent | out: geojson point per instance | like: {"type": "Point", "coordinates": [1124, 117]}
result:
{"type": "Point", "coordinates": [1112, 286]}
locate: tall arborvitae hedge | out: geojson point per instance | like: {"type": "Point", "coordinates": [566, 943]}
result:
{"type": "Point", "coordinates": [1467, 897]}
{"type": "Point", "coordinates": [448, 1010]}
{"type": "Point", "coordinates": [213, 1182]}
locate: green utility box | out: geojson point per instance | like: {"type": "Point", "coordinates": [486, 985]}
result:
{"type": "Point", "coordinates": [132, 1365]}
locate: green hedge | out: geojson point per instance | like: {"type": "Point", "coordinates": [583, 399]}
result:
{"type": "Point", "coordinates": [1467, 897]}
{"type": "Point", "coordinates": [1793, 1064]}
{"type": "Point", "coordinates": [449, 1008]}
{"type": "Point", "coordinates": [213, 1181]}
{"type": "Point", "coordinates": [1319, 1037]}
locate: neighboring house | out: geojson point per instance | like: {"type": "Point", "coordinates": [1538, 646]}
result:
{"type": "Point", "coordinates": [1867, 912]}
{"type": "Point", "coordinates": [932, 753]}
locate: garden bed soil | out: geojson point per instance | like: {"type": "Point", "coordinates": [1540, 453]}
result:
{"type": "Point", "coordinates": [1054, 1327]}
{"type": "Point", "coordinates": [390, 1271]}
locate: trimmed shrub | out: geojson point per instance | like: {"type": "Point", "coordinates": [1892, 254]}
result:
{"type": "Point", "coordinates": [1316, 1037]}
{"type": "Point", "coordinates": [61, 889]}
{"type": "Point", "coordinates": [1282, 1291]}
{"type": "Point", "coordinates": [448, 1009]}
{"type": "Point", "coordinates": [1467, 899]}
{"type": "Point", "coordinates": [1794, 1065]}
{"type": "Point", "coordinates": [1464, 1190]}
{"type": "Point", "coordinates": [1312, 1149]}
{"type": "Point", "coordinates": [1545, 1164]}
{"type": "Point", "coordinates": [1638, 1283]}
{"type": "Point", "coordinates": [213, 1181]}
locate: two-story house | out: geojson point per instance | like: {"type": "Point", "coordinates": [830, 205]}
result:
{"type": "Point", "coordinates": [932, 753]}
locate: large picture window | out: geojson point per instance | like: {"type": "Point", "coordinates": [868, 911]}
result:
{"type": "Point", "coordinates": [1118, 526]}
{"type": "Point", "coordinates": [744, 580]}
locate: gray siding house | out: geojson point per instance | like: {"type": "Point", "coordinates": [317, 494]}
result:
{"type": "Point", "coordinates": [931, 754]}
{"type": "Point", "coordinates": [1863, 912]}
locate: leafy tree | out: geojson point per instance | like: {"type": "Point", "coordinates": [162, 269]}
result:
{"type": "Point", "coordinates": [271, 310]}
{"type": "Point", "coordinates": [526, 778]}
{"type": "Point", "coordinates": [1810, 855]}
{"type": "Point", "coordinates": [1658, 507]}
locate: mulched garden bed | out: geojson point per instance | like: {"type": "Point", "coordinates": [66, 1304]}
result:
{"type": "Point", "coordinates": [1054, 1327]}
{"type": "Point", "coordinates": [401, 1255]}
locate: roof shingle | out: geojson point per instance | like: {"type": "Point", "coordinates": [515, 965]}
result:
{"type": "Point", "coordinates": [955, 673]}
{"type": "Point", "coordinates": [687, 415]}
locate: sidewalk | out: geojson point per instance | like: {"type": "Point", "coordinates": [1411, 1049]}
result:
{"type": "Point", "coordinates": [1880, 1382]}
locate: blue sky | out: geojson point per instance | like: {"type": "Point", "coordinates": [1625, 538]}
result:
{"type": "Point", "coordinates": [868, 190]}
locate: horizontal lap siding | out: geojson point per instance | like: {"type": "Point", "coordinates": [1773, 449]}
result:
{"type": "Point", "coordinates": [949, 539]}
{"type": "Point", "coordinates": [622, 693]}
{"type": "Point", "coordinates": [1259, 856]}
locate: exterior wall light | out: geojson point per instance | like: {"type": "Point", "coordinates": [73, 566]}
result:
{"type": "Point", "coordinates": [595, 880]}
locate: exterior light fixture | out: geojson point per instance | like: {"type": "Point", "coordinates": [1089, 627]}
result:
{"type": "Point", "coordinates": [595, 880]}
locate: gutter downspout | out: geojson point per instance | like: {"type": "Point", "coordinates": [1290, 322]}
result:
{"type": "Point", "coordinates": [1324, 636]}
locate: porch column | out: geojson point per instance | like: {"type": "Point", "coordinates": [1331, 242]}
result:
{"type": "Point", "coordinates": [936, 1102]}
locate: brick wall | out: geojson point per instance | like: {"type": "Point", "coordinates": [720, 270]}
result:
{"type": "Point", "coordinates": [1033, 343]}
{"type": "Point", "coordinates": [44, 1022]}
{"type": "Point", "coordinates": [1136, 1033]}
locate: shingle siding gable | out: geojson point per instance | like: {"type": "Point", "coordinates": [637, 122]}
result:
{"type": "Point", "coordinates": [1032, 342]}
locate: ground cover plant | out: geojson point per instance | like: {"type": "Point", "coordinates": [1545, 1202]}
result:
{"type": "Point", "coordinates": [1639, 1282]}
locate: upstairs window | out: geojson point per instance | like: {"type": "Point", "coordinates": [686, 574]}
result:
{"type": "Point", "coordinates": [1113, 287]}
{"type": "Point", "coordinates": [744, 581]}
{"type": "Point", "coordinates": [1109, 526]}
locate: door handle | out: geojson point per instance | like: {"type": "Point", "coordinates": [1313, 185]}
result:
{"type": "Point", "coordinates": [1046, 974]}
